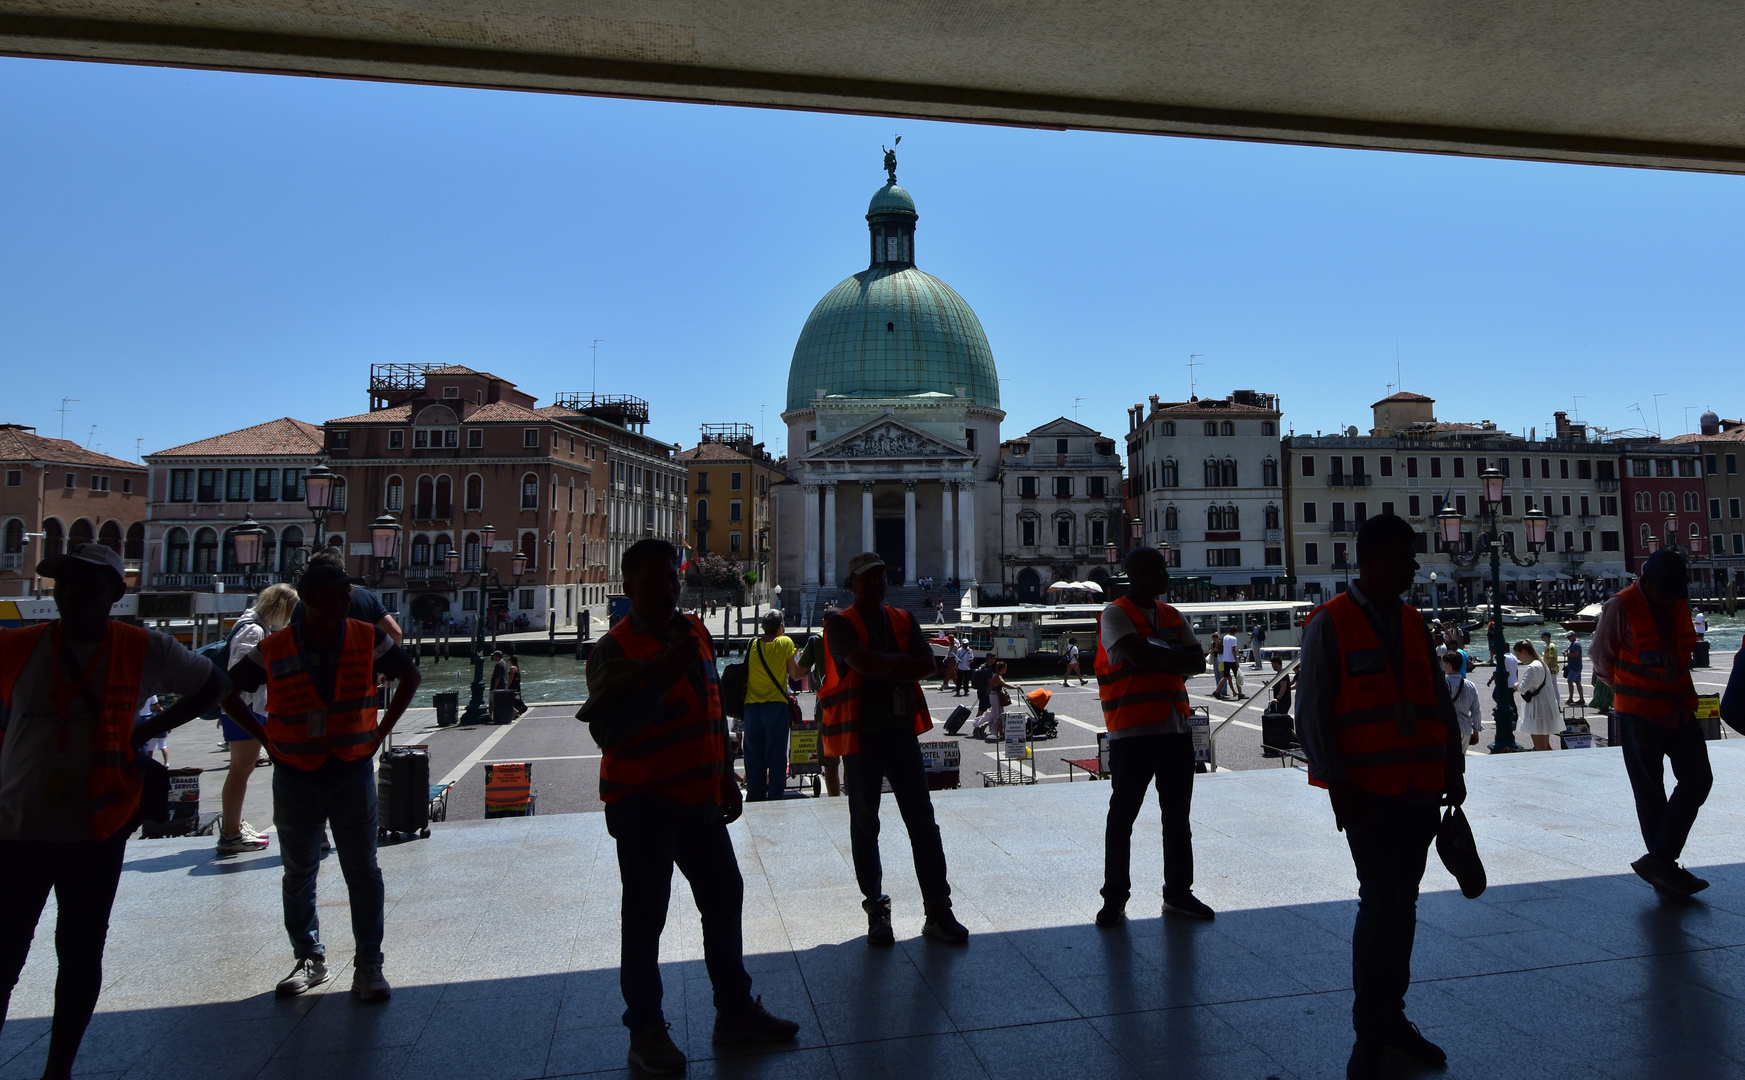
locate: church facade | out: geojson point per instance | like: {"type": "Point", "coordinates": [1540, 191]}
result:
{"type": "Point", "coordinates": [893, 415]}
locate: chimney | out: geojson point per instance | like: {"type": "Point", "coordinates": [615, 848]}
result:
{"type": "Point", "coordinates": [1154, 403]}
{"type": "Point", "coordinates": [1561, 419]}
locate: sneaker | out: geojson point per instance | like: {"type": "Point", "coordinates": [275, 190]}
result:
{"type": "Point", "coordinates": [1689, 881]}
{"type": "Point", "coordinates": [1661, 874]}
{"type": "Point", "coordinates": [326, 842]}
{"type": "Point", "coordinates": [878, 921]}
{"type": "Point", "coordinates": [652, 1051]}
{"type": "Point", "coordinates": [1111, 915]}
{"type": "Point", "coordinates": [1408, 1040]}
{"type": "Point", "coordinates": [942, 925]}
{"type": "Point", "coordinates": [1367, 1062]}
{"type": "Point", "coordinates": [240, 843]}
{"type": "Point", "coordinates": [250, 830]}
{"type": "Point", "coordinates": [310, 971]}
{"type": "Point", "coordinates": [754, 1025]}
{"type": "Point", "coordinates": [367, 983]}
{"type": "Point", "coordinates": [1189, 906]}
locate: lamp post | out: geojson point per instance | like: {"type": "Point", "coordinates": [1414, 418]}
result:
{"type": "Point", "coordinates": [484, 578]}
{"type": "Point", "coordinates": [384, 545]}
{"type": "Point", "coordinates": [318, 497]}
{"type": "Point", "coordinates": [1435, 600]}
{"type": "Point", "coordinates": [246, 541]}
{"type": "Point", "coordinates": [1448, 523]}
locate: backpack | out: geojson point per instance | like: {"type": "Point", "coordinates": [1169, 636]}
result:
{"type": "Point", "coordinates": [732, 686]}
{"type": "Point", "coordinates": [217, 654]}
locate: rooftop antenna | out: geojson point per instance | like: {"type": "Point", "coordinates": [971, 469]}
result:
{"type": "Point", "coordinates": [1075, 409]}
{"type": "Point", "coordinates": [1639, 416]}
{"type": "Point", "coordinates": [760, 410]}
{"type": "Point", "coordinates": [63, 411]}
{"type": "Point", "coordinates": [1193, 390]}
{"type": "Point", "coordinates": [1399, 384]}
{"type": "Point", "coordinates": [91, 436]}
{"type": "Point", "coordinates": [1657, 398]}
{"type": "Point", "coordinates": [1577, 402]}
{"type": "Point", "coordinates": [137, 443]}
{"type": "Point", "coordinates": [595, 388]}
{"type": "Point", "coordinates": [1687, 410]}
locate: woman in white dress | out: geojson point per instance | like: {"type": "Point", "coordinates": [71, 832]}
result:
{"type": "Point", "coordinates": [1540, 715]}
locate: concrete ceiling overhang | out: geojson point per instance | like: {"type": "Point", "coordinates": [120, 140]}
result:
{"type": "Point", "coordinates": [1603, 81]}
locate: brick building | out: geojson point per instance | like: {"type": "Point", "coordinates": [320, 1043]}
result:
{"type": "Point", "coordinates": [55, 493]}
{"type": "Point", "coordinates": [1662, 497]}
{"type": "Point", "coordinates": [446, 450]}
{"type": "Point", "coordinates": [730, 478]}
{"type": "Point", "coordinates": [200, 492]}
{"type": "Point", "coordinates": [1721, 562]}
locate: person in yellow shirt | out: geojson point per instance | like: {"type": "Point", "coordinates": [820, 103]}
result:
{"type": "Point", "coordinates": [769, 660]}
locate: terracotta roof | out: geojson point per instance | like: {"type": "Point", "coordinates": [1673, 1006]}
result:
{"type": "Point", "coordinates": [21, 444]}
{"type": "Point", "coordinates": [399, 414]}
{"type": "Point", "coordinates": [462, 369]}
{"type": "Point", "coordinates": [1404, 395]}
{"type": "Point", "coordinates": [1733, 434]}
{"type": "Point", "coordinates": [556, 412]}
{"type": "Point", "coordinates": [714, 451]}
{"type": "Point", "coordinates": [1217, 405]}
{"type": "Point", "coordinates": [283, 436]}
{"type": "Point", "coordinates": [499, 411]}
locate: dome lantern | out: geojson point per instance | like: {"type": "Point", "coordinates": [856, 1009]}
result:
{"type": "Point", "coordinates": [891, 217]}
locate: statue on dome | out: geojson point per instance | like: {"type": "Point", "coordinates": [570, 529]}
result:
{"type": "Point", "coordinates": [891, 159]}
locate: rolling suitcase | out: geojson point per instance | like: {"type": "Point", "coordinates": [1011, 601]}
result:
{"type": "Point", "coordinates": [959, 717]}
{"type": "Point", "coordinates": [403, 791]}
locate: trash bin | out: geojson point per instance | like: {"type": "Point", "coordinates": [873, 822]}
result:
{"type": "Point", "coordinates": [1699, 656]}
{"type": "Point", "coordinates": [502, 706]}
{"type": "Point", "coordinates": [447, 708]}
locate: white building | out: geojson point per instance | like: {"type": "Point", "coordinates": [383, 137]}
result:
{"type": "Point", "coordinates": [1207, 479]}
{"type": "Point", "coordinates": [1060, 507]}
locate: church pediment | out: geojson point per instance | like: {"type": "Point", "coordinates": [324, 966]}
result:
{"type": "Point", "coordinates": [890, 438]}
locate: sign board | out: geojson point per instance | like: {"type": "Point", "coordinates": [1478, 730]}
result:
{"type": "Point", "coordinates": [365, 548]}
{"type": "Point", "coordinates": [1016, 745]}
{"type": "Point", "coordinates": [944, 755]}
{"type": "Point", "coordinates": [803, 748]}
{"type": "Point", "coordinates": [40, 609]}
{"type": "Point", "coordinates": [1200, 725]}
{"type": "Point", "coordinates": [1708, 706]}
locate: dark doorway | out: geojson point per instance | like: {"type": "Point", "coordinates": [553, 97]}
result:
{"type": "Point", "coordinates": [888, 541]}
{"type": "Point", "coordinates": [1029, 587]}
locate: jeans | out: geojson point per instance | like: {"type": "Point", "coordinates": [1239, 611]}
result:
{"type": "Point", "coordinates": [894, 753]}
{"type": "Point", "coordinates": [1666, 822]}
{"type": "Point", "coordinates": [654, 834]}
{"type": "Point", "coordinates": [303, 801]}
{"type": "Point", "coordinates": [1136, 763]}
{"type": "Point", "coordinates": [1388, 847]}
{"type": "Point", "coordinates": [766, 750]}
{"type": "Point", "coordinates": [83, 875]}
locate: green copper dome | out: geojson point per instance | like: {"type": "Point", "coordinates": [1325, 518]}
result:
{"type": "Point", "coordinates": [892, 331]}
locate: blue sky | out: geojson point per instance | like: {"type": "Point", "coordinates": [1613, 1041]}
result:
{"type": "Point", "coordinates": [190, 252]}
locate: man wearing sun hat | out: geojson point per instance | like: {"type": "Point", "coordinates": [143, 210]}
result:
{"type": "Point", "coordinates": [71, 778]}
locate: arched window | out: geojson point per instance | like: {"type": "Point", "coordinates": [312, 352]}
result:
{"type": "Point", "coordinates": [395, 498]}
{"type": "Point", "coordinates": [1227, 428]}
{"type": "Point", "coordinates": [1269, 473]}
{"type": "Point", "coordinates": [1271, 516]}
{"type": "Point", "coordinates": [1232, 517]}
{"type": "Point", "coordinates": [1169, 427]}
{"type": "Point", "coordinates": [205, 552]}
{"type": "Point", "coordinates": [444, 498]}
{"type": "Point", "coordinates": [1647, 535]}
{"type": "Point", "coordinates": [1027, 527]}
{"type": "Point", "coordinates": [1668, 502]}
{"type": "Point", "coordinates": [1212, 428]}
{"type": "Point", "coordinates": [469, 559]}
{"type": "Point", "coordinates": [703, 514]}
{"type": "Point", "coordinates": [1171, 519]}
{"type": "Point", "coordinates": [530, 492]}
{"type": "Point", "coordinates": [134, 547]}
{"type": "Point", "coordinates": [1063, 531]}
{"type": "Point", "coordinates": [14, 538]}
{"type": "Point", "coordinates": [227, 552]}
{"type": "Point", "coordinates": [1214, 517]}
{"type": "Point", "coordinates": [1227, 473]}
{"type": "Point", "coordinates": [110, 536]}
{"type": "Point", "coordinates": [421, 550]}
{"type": "Point", "coordinates": [292, 553]}
{"type": "Point", "coordinates": [475, 492]}
{"type": "Point", "coordinates": [269, 553]}
{"type": "Point", "coordinates": [1212, 472]}
{"type": "Point", "coordinates": [1692, 502]}
{"type": "Point", "coordinates": [54, 538]}
{"type": "Point", "coordinates": [1171, 474]}
{"type": "Point", "coordinates": [338, 494]}
{"type": "Point", "coordinates": [424, 505]}
{"type": "Point", "coordinates": [79, 534]}
{"type": "Point", "coordinates": [530, 548]}
{"type": "Point", "coordinates": [440, 549]}
{"type": "Point", "coordinates": [1644, 502]}
{"type": "Point", "coordinates": [176, 552]}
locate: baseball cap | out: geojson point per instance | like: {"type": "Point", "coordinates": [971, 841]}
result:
{"type": "Point", "coordinates": [85, 559]}
{"type": "Point", "coordinates": [863, 562]}
{"type": "Point", "coordinates": [1668, 572]}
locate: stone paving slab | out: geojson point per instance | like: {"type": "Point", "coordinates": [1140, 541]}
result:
{"type": "Point", "coordinates": [502, 945]}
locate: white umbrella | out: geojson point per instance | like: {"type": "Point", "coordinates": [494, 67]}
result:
{"type": "Point", "coordinates": [1061, 585]}
{"type": "Point", "coordinates": [1089, 586]}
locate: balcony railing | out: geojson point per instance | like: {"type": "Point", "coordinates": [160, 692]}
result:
{"type": "Point", "coordinates": [1343, 527]}
{"type": "Point", "coordinates": [1273, 536]}
{"type": "Point", "coordinates": [1172, 536]}
{"type": "Point", "coordinates": [1588, 519]}
{"type": "Point", "coordinates": [1349, 480]}
{"type": "Point", "coordinates": [702, 524]}
{"type": "Point", "coordinates": [11, 562]}
{"type": "Point", "coordinates": [1606, 484]}
{"type": "Point", "coordinates": [432, 511]}
{"type": "Point", "coordinates": [192, 580]}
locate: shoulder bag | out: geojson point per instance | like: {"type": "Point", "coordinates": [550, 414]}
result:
{"type": "Point", "coordinates": [795, 716]}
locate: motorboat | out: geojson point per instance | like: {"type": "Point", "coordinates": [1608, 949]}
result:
{"type": "Point", "coordinates": [1521, 616]}
{"type": "Point", "coordinates": [1584, 620]}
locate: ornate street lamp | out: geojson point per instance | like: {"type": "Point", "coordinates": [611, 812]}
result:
{"type": "Point", "coordinates": [385, 538]}
{"type": "Point", "coordinates": [451, 563]}
{"type": "Point", "coordinates": [318, 496]}
{"type": "Point", "coordinates": [1448, 524]}
{"type": "Point", "coordinates": [518, 564]}
{"type": "Point", "coordinates": [246, 541]}
{"type": "Point", "coordinates": [484, 578]}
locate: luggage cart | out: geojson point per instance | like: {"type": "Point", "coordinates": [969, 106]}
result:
{"type": "Point", "coordinates": [439, 801]}
{"type": "Point", "coordinates": [805, 757]}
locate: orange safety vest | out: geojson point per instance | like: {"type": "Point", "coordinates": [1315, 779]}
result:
{"type": "Point", "coordinates": [839, 697]}
{"type": "Point", "coordinates": [1648, 678]}
{"type": "Point", "coordinates": [305, 728]}
{"type": "Point", "coordinates": [1389, 732]}
{"type": "Point", "coordinates": [116, 779]}
{"type": "Point", "coordinates": [682, 753]}
{"type": "Point", "coordinates": [1133, 698]}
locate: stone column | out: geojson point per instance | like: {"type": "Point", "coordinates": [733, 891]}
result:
{"type": "Point", "coordinates": [830, 535]}
{"type": "Point", "coordinates": [810, 496]}
{"type": "Point", "coordinates": [966, 534]}
{"type": "Point", "coordinates": [947, 539]}
{"type": "Point", "coordinates": [909, 571]}
{"type": "Point", "coordinates": [866, 515]}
